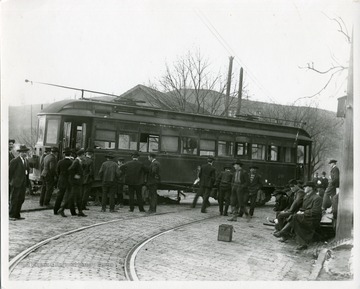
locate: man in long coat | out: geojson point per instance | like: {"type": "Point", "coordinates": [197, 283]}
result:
{"type": "Point", "coordinates": [152, 182]}
{"type": "Point", "coordinates": [307, 219]}
{"type": "Point", "coordinates": [62, 170]}
{"type": "Point", "coordinates": [88, 168]}
{"type": "Point", "coordinates": [207, 176]}
{"type": "Point", "coordinates": [135, 178]}
{"type": "Point", "coordinates": [239, 191]}
{"type": "Point", "coordinates": [18, 180]}
{"type": "Point", "coordinates": [255, 184]}
{"type": "Point", "coordinates": [49, 176]}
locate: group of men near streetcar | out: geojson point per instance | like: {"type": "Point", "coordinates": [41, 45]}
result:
{"type": "Point", "coordinates": [298, 207]}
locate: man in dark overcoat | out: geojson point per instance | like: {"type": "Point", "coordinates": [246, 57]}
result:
{"type": "Point", "coordinates": [239, 191]}
{"type": "Point", "coordinates": [223, 183]}
{"type": "Point", "coordinates": [88, 168]}
{"type": "Point", "coordinates": [207, 178]}
{"type": "Point", "coordinates": [307, 219]}
{"type": "Point", "coordinates": [153, 181]}
{"type": "Point", "coordinates": [76, 180]}
{"type": "Point", "coordinates": [49, 176]}
{"type": "Point", "coordinates": [255, 184]}
{"type": "Point", "coordinates": [333, 185]}
{"type": "Point", "coordinates": [109, 174]}
{"type": "Point", "coordinates": [135, 178]}
{"type": "Point", "coordinates": [62, 170]}
{"type": "Point", "coordinates": [18, 180]}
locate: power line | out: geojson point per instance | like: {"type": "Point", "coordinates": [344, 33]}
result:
{"type": "Point", "coordinates": [227, 47]}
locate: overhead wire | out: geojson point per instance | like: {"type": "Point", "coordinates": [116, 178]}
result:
{"type": "Point", "coordinates": [228, 48]}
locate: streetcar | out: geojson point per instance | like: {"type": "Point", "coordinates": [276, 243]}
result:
{"type": "Point", "coordinates": [182, 141]}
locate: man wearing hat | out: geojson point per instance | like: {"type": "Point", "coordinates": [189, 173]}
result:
{"type": "Point", "coordinates": [239, 191]}
{"type": "Point", "coordinates": [223, 183]}
{"type": "Point", "coordinates": [120, 183]}
{"type": "Point", "coordinates": [88, 169]}
{"type": "Point", "coordinates": [207, 178]}
{"type": "Point", "coordinates": [153, 181]}
{"type": "Point", "coordinates": [49, 176]}
{"type": "Point", "coordinates": [296, 198]}
{"type": "Point", "coordinates": [334, 183]}
{"type": "Point", "coordinates": [109, 175]}
{"type": "Point", "coordinates": [135, 178]}
{"type": "Point", "coordinates": [18, 180]}
{"type": "Point", "coordinates": [76, 181]}
{"type": "Point", "coordinates": [255, 184]}
{"type": "Point", "coordinates": [307, 219]}
{"type": "Point", "coordinates": [62, 170]}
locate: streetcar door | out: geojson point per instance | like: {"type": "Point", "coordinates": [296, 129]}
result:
{"type": "Point", "coordinates": [75, 134]}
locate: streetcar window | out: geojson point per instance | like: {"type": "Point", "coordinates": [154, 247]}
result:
{"type": "Point", "coordinates": [52, 131]}
{"type": "Point", "coordinates": [300, 154]}
{"type": "Point", "coordinates": [258, 152]}
{"type": "Point", "coordinates": [169, 144]}
{"type": "Point", "coordinates": [41, 130]}
{"type": "Point", "coordinates": [225, 148]}
{"type": "Point", "coordinates": [241, 149]}
{"type": "Point", "coordinates": [189, 145]}
{"type": "Point", "coordinates": [273, 153]}
{"type": "Point", "coordinates": [104, 139]}
{"type": "Point", "coordinates": [287, 154]}
{"type": "Point", "coordinates": [207, 147]}
{"type": "Point", "coordinates": [127, 141]}
{"type": "Point", "coordinates": [149, 142]}
{"type": "Point", "coordinates": [80, 135]}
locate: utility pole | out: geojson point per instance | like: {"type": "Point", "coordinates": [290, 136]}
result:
{"type": "Point", "coordinates": [344, 222]}
{"type": "Point", "coordinates": [240, 92]}
{"type": "Point", "coordinates": [227, 98]}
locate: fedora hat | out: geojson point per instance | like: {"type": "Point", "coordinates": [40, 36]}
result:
{"type": "Point", "coordinates": [23, 148]}
{"type": "Point", "coordinates": [11, 141]}
{"type": "Point", "coordinates": [237, 162]}
{"type": "Point", "coordinates": [135, 154]}
{"type": "Point", "coordinates": [292, 182]}
{"type": "Point", "coordinates": [210, 158]}
{"type": "Point", "coordinates": [254, 167]}
{"type": "Point", "coordinates": [66, 150]}
{"type": "Point", "coordinates": [54, 149]}
{"type": "Point", "coordinates": [332, 162]}
{"type": "Point", "coordinates": [109, 156]}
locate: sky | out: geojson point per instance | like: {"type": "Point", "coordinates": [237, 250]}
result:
{"type": "Point", "coordinates": [112, 46]}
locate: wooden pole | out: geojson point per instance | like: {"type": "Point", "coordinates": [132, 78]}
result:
{"type": "Point", "coordinates": [227, 98]}
{"type": "Point", "coordinates": [238, 108]}
{"type": "Point", "coordinates": [344, 222]}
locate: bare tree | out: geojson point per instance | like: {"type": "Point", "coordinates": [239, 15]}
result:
{"type": "Point", "coordinates": [192, 86]}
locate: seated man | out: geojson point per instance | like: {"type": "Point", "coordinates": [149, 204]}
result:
{"type": "Point", "coordinates": [285, 215]}
{"type": "Point", "coordinates": [307, 219]}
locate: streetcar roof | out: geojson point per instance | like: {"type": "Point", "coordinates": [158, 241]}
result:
{"type": "Point", "coordinates": [88, 108]}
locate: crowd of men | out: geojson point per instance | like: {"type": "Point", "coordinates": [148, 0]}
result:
{"type": "Point", "coordinates": [73, 175]}
{"type": "Point", "coordinates": [298, 208]}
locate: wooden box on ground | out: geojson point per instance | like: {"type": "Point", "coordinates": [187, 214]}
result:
{"type": "Point", "coordinates": [225, 233]}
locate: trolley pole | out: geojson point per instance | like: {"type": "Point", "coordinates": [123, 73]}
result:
{"type": "Point", "coordinates": [227, 98]}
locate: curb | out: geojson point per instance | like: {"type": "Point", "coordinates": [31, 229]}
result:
{"type": "Point", "coordinates": [318, 265]}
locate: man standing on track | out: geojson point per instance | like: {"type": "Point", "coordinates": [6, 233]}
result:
{"type": "Point", "coordinates": [153, 180]}
{"type": "Point", "coordinates": [49, 176]}
{"type": "Point", "coordinates": [207, 176]}
{"type": "Point", "coordinates": [18, 180]}
{"type": "Point", "coordinates": [135, 177]}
